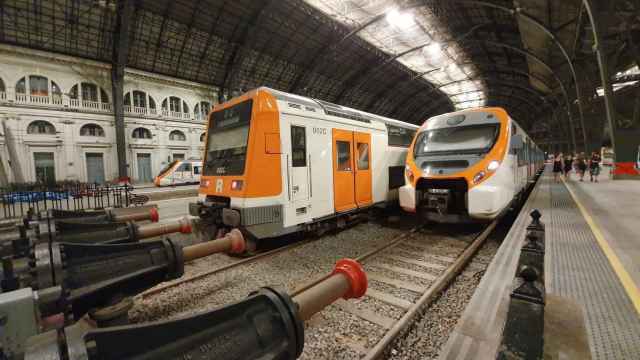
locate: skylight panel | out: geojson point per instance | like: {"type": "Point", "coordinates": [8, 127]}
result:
{"type": "Point", "coordinates": [398, 30]}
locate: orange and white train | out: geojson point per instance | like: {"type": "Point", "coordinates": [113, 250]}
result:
{"type": "Point", "coordinates": [277, 163]}
{"type": "Point", "coordinates": [468, 165]}
{"type": "Point", "coordinates": [179, 172]}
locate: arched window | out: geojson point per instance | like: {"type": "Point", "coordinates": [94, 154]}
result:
{"type": "Point", "coordinates": [38, 85]}
{"type": "Point", "coordinates": [89, 92]}
{"type": "Point", "coordinates": [175, 107]}
{"type": "Point", "coordinates": [141, 133]}
{"type": "Point", "coordinates": [55, 89]}
{"type": "Point", "coordinates": [41, 127]}
{"type": "Point", "coordinates": [139, 98]}
{"type": "Point", "coordinates": [73, 93]}
{"type": "Point", "coordinates": [92, 130]}
{"type": "Point", "coordinates": [202, 137]}
{"type": "Point", "coordinates": [21, 86]}
{"type": "Point", "coordinates": [201, 110]}
{"type": "Point", "coordinates": [177, 135]}
{"type": "Point", "coordinates": [103, 96]}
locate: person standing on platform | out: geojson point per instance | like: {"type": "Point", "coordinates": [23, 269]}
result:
{"type": "Point", "coordinates": [594, 166]}
{"type": "Point", "coordinates": [582, 165]}
{"type": "Point", "coordinates": [568, 164]}
{"type": "Point", "coordinates": [557, 167]}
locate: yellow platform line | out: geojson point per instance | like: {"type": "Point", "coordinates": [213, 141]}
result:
{"type": "Point", "coordinates": [624, 277]}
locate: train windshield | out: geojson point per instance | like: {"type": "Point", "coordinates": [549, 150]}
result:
{"type": "Point", "coordinates": [456, 140]}
{"type": "Point", "coordinates": [228, 138]}
{"type": "Point", "coordinates": [168, 167]}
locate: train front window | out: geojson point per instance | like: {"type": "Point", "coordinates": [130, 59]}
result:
{"type": "Point", "coordinates": [228, 139]}
{"type": "Point", "coordinates": [459, 139]}
{"type": "Point", "coordinates": [168, 167]}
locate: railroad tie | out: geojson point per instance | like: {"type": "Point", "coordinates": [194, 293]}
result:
{"type": "Point", "coordinates": [370, 316]}
{"type": "Point", "coordinates": [389, 299]}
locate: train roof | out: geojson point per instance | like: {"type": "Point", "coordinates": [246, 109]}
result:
{"type": "Point", "coordinates": [336, 110]}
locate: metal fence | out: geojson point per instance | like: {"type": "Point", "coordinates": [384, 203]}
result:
{"type": "Point", "coordinates": [17, 199]}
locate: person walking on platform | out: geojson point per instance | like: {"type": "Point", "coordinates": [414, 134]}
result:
{"type": "Point", "coordinates": [568, 164]}
{"type": "Point", "coordinates": [557, 167]}
{"type": "Point", "coordinates": [582, 166]}
{"type": "Point", "coordinates": [594, 166]}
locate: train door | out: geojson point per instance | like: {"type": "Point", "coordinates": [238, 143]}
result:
{"type": "Point", "coordinates": [362, 147]}
{"type": "Point", "coordinates": [343, 177]}
{"type": "Point", "coordinates": [351, 170]}
{"type": "Point", "coordinates": [299, 164]}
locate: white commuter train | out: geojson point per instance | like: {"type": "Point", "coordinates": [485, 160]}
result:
{"type": "Point", "coordinates": [179, 172]}
{"type": "Point", "coordinates": [468, 165]}
{"type": "Point", "coordinates": [277, 163]}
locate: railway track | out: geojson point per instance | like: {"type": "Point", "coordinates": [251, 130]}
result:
{"type": "Point", "coordinates": [405, 276]}
{"type": "Point", "coordinates": [187, 279]}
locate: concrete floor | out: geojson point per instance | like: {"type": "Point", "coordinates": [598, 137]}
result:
{"type": "Point", "coordinates": [614, 206]}
{"type": "Point", "coordinates": [174, 208]}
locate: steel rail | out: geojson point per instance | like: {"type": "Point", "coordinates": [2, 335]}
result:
{"type": "Point", "coordinates": [432, 292]}
{"type": "Point", "coordinates": [359, 259]}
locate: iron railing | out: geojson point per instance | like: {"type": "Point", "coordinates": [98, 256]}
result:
{"type": "Point", "coordinates": [17, 199]}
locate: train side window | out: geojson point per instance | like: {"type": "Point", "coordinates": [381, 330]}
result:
{"type": "Point", "coordinates": [298, 146]}
{"type": "Point", "coordinates": [344, 155]}
{"type": "Point", "coordinates": [196, 170]}
{"type": "Point", "coordinates": [363, 156]}
{"type": "Point", "coordinates": [184, 167]}
{"type": "Point", "coordinates": [398, 136]}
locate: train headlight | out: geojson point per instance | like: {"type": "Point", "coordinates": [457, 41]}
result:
{"type": "Point", "coordinates": [478, 177]}
{"type": "Point", "coordinates": [236, 185]}
{"type": "Point", "coordinates": [409, 173]}
{"type": "Point", "coordinates": [493, 165]}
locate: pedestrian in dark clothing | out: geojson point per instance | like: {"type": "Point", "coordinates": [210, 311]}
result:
{"type": "Point", "coordinates": [582, 166]}
{"type": "Point", "coordinates": [568, 164]}
{"type": "Point", "coordinates": [557, 167]}
{"type": "Point", "coordinates": [594, 166]}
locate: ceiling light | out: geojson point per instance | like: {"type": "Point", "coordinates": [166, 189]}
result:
{"type": "Point", "coordinates": [398, 19]}
{"type": "Point", "coordinates": [434, 50]}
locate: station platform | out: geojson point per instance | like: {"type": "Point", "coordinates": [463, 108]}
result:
{"type": "Point", "coordinates": [591, 263]}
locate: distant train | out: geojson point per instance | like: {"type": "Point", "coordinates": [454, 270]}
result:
{"type": "Point", "coordinates": [179, 172]}
{"type": "Point", "coordinates": [277, 163]}
{"type": "Point", "coordinates": [468, 165]}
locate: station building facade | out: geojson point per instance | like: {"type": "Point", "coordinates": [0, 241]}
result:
{"type": "Point", "coordinates": [57, 121]}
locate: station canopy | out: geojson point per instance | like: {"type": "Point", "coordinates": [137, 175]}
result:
{"type": "Point", "coordinates": [405, 59]}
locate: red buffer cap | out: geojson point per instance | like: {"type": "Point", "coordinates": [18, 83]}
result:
{"type": "Point", "coordinates": [155, 216]}
{"type": "Point", "coordinates": [356, 275]}
{"type": "Point", "coordinates": [238, 244]}
{"type": "Point", "coordinates": [185, 226]}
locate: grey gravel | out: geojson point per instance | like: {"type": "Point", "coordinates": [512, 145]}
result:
{"type": "Point", "coordinates": [378, 306]}
{"type": "Point", "coordinates": [372, 268]}
{"type": "Point", "coordinates": [397, 263]}
{"type": "Point", "coordinates": [287, 270]}
{"type": "Point", "coordinates": [392, 290]}
{"type": "Point", "coordinates": [428, 334]}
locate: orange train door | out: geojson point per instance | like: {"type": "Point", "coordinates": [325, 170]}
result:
{"type": "Point", "coordinates": [362, 147]}
{"type": "Point", "coordinates": [351, 170]}
{"type": "Point", "coordinates": [343, 179]}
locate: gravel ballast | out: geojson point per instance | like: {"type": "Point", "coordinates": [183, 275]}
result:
{"type": "Point", "coordinates": [287, 269]}
{"type": "Point", "coordinates": [428, 334]}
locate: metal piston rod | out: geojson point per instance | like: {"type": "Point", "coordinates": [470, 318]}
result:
{"type": "Point", "coordinates": [266, 325]}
